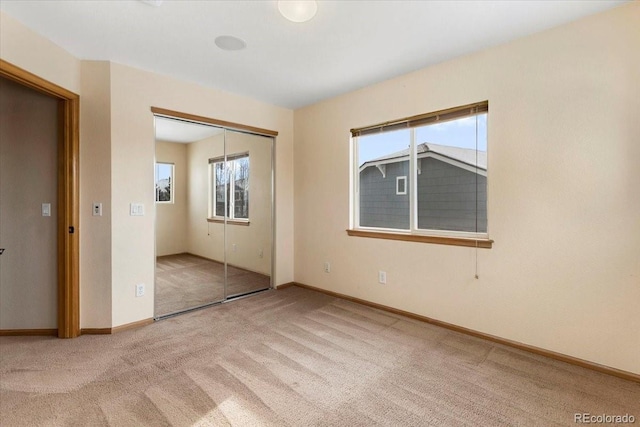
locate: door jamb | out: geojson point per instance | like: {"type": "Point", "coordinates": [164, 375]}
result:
{"type": "Point", "coordinates": [68, 194]}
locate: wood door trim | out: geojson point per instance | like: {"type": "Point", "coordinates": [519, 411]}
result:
{"type": "Point", "coordinates": [68, 194]}
{"type": "Point", "coordinates": [121, 328]}
{"type": "Point", "coordinates": [222, 123]}
{"type": "Point", "coordinates": [28, 332]}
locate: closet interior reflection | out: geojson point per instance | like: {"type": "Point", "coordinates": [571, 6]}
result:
{"type": "Point", "coordinates": [214, 214]}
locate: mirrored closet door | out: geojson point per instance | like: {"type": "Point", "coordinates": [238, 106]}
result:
{"type": "Point", "coordinates": [248, 212]}
{"type": "Point", "coordinates": [214, 214]}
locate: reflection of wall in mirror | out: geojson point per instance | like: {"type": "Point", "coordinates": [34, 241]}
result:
{"type": "Point", "coordinates": [172, 218]}
{"type": "Point", "coordinates": [253, 242]}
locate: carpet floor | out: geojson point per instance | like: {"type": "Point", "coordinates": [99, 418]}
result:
{"type": "Point", "coordinates": [185, 281]}
{"type": "Point", "coordinates": [294, 357]}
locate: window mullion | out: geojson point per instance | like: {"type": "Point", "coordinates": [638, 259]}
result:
{"type": "Point", "coordinates": [356, 184]}
{"type": "Point", "coordinates": [232, 189]}
{"type": "Point", "coordinates": [413, 179]}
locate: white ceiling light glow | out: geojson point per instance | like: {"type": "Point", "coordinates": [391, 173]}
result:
{"type": "Point", "coordinates": [154, 3]}
{"type": "Point", "coordinates": [298, 10]}
{"type": "Point", "coordinates": [230, 43]}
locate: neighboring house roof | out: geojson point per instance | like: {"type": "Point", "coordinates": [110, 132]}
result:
{"type": "Point", "coordinates": [458, 156]}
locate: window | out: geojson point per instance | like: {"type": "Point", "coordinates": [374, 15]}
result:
{"type": "Point", "coordinates": [164, 182]}
{"type": "Point", "coordinates": [401, 185]}
{"type": "Point", "coordinates": [230, 187]}
{"type": "Point", "coordinates": [425, 175]}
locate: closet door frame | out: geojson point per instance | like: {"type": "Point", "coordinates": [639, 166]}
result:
{"type": "Point", "coordinates": [68, 196]}
{"type": "Point", "coordinates": [231, 126]}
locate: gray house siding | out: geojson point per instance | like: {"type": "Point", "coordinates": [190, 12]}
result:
{"type": "Point", "coordinates": [446, 197]}
{"type": "Point", "coordinates": [380, 206]}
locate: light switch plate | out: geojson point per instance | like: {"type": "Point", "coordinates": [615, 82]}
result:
{"type": "Point", "coordinates": [97, 209]}
{"type": "Point", "coordinates": [136, 209]}
{"type": "Point", "coordinates": [46, 209]}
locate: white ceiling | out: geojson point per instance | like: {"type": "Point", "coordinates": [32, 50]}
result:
{"type": "Point", "coordinates": [348, 45]}
{"type": "Point", "coordinates": [173, 130]}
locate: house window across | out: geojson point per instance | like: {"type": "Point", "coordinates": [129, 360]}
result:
{"type": "Point", "coordinates": [425, 176]}
{"type": "Point", "coordinates": [230, 187]}
{"type": "Point", "coordinates": [164, 182]}
{"type": "Point", "coordinates": [401, 185]}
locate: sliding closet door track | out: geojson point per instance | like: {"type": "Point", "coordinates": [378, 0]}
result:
{"type": "Point", "coordinates": [200, 307]}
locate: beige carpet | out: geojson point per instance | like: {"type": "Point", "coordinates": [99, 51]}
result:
{"type": "Point", "coordinates": [184, 281]}
{"type": "Point", "coordinates": [294, 357]}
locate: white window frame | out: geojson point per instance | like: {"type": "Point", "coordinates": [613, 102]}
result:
{"type": "Point", "coordinates": [354, 205]}
{"type": "Point", "coordinates": [404, 180]}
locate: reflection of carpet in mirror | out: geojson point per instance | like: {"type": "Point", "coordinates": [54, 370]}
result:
{"type": "Point", "coordinates": [184, 281]}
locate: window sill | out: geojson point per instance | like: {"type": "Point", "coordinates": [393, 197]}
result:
{"type": "Point", "coordinates": [229, 221]}
{"type": "Point", "coordinates": [439, 240]}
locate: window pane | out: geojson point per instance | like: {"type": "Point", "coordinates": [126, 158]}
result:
{"type": "Point", "coordinates": [381, 159]}
{"type": "Point", "coordinates": [221, 180]}
{"type": "Point", "coordinates": [401, 185]}
{"type": "Point", "coordinates": [241, 191]}
{"type": "Point", "coordinates": [164, 184]}
{"type": "Point", "coordinates": [452, 175]}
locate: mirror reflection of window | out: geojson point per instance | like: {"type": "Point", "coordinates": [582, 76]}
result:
{"type": "Point", "coordinates": [208, 248]}
{"type": "Point", "coordinates": [164, 182]}
{"type": "Point", "coordinates": [232, 178]}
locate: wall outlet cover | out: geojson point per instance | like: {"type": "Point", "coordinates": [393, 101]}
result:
{"type": "Point", "coordinates": [139, 289]}
{"type": "Point", "coordinates": [382, 277]}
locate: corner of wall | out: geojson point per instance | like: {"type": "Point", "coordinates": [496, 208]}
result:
{"type": "Point", "coordinates": [95, 187]}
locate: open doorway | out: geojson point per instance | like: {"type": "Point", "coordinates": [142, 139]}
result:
{"type": "Point", "coordinates": [214, 213]}
{"type": "Point", "coordinates": [63, 318]}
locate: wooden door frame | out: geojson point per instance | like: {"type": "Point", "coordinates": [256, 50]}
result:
{"type": "Point", "coordinates": [68, 194]}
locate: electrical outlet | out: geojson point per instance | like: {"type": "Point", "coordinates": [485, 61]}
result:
{"type": "Point", "coordinates": [140, 289]}
{"type": "Point", "coordinates": [234, 247]}
{"type": "Point", "coordinates": [382, 277]}
{"type": "Point", "coordinates": [327, 267]}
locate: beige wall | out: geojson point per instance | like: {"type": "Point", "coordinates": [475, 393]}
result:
{"type": "Point", "coordinates": [204, 239]}
{"type": "Point", "coordinates": [207, 239]}
{"type": "Point", "coordinates": [133, 92]}
{"type": "Point", "coordinates": [95, 186]}
{"type": "Point", "coordinates": [32, 52]}
{"type": "Point", "coordinates": [28, 178]}
{"type": "Point", "coordinates": [564, 171]}
{"type": "Point", "coordinates": [171, 218]}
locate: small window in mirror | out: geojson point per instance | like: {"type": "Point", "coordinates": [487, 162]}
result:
{"type": "Point", "coordinates": [164, 182]}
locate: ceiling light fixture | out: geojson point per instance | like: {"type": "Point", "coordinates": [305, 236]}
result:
{"type": "Point", "coordinates": [298, 10]}
{"type": "Point", "coordinates": [230, 43]}
{"type": "Point", "coordinates": [154, 3]}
